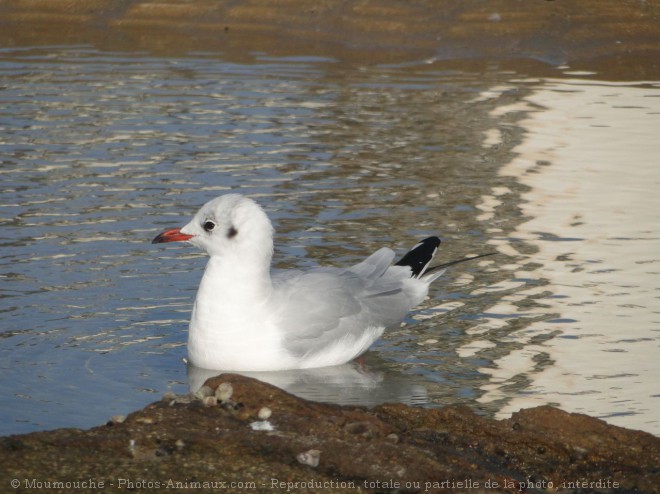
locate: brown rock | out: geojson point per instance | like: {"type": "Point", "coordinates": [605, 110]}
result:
{"type": "Point", "coordinates": [450, 449]}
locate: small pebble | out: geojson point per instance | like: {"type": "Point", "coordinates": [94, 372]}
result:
{"type": "Point", "coordinates": [262, 425]}
{"type": "Point", "coordinates": [203, 392]}
{"type": "Point", "coordinates": [264, 413]}
{"type": "Point", "coordinates": [224, 392]}
{"type": "Point", "coordinates": [210, 401]}
{"type": "Point", "coordinates": [393, 437]}
{"type": "Point", "coordinates": [179, 444]}
{"type": "Point", "coordinates": [181, 399]}
{"type": "Point", "coordinates": [117, 419]}
{"type": "Point", "coordinates": [580, 453]}
{"type": "Point", "coordinates": [311, 457]}
{"type": "Point", "coordinates": [169, 396]}
{"type": "Point", "coordinates": [358, 428]}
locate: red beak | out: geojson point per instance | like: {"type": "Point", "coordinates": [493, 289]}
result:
{"type": "Point", "coordinates": [173, 235]}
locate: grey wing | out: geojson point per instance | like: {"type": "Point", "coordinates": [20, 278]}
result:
{"type": "Point", "coordinates": [321, 306]}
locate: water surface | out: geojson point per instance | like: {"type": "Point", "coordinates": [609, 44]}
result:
{"type": "Point", "coordinates": [102, 150]}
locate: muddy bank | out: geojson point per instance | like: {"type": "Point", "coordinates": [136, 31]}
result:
{"type": "Point", "coordinates": [611, 36]}
{"type": "Point", "coordinates": [261, 438]}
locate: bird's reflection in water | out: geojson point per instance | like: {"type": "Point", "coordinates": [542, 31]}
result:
{"type": "Point", "coordinates": [347, 384]}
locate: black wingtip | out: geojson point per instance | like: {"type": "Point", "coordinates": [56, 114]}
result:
{"type": "Point", "coordinates": [419, 257]}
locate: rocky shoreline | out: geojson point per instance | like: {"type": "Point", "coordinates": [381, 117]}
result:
{"type": "Point", "coordinates": [245, 435]}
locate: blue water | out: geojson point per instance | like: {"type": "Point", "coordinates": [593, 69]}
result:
{"type": "Point", "coordinates": [100, 151]}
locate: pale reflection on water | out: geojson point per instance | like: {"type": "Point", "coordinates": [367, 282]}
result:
{"type": "Point", "coordinates": [103, 150]}
{"type": "Point", "coordinates": [590, 160]}
{"type": "Point", "coordinates": [349, 384]}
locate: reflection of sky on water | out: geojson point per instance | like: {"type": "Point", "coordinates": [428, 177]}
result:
{"type": "Point", "coordinates": [103, 150]}
{"type": "Point", "coordinates": [591, 159]}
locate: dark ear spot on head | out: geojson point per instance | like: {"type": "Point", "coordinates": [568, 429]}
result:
{"type": "Point", "coordinates": [232, 232]}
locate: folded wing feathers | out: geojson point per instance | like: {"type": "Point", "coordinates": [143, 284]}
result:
{"type": "Point", "coordinates": [371, 293]}
{"type": "Point", "coordinates": [375, 265]}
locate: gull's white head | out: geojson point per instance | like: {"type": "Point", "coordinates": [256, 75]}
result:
{"type": "Point", "coordinates": [228, 225]}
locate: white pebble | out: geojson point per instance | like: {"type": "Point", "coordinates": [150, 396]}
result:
{"type": "Point", "coordinates": [311, 457]}
{"type": "Point", "coordinates": [262, 425]}
{"type": "Point", "coordinates": [181, 399]}
{"type": "Point", "coordinates": [264, 413]}
{"type": "Point", "coordinates": [224, 392]}
{"type": "Point", "coordinates": [117, 419]}
{"type": "Point", "coordinates": [203, 392]}
{"type": "Point", "coordinates": [169, 396]}
{"type": "Point", "coordinates": [210, 401]}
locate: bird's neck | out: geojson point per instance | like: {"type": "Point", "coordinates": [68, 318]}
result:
{"type": "Point", "coordinates": [234, 283]}
{"type": "Point", "coordinates": [228, 312]}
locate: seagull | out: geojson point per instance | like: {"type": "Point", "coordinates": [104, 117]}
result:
{"type": "Point", "coordinates": [247, 317]}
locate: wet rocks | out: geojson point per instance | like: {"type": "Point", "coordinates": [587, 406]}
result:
{"type": "Point", "coordinates": [354, 449]}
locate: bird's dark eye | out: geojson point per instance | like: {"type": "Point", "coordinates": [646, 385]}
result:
{"type": "Point", "coordinates": [208, 226]}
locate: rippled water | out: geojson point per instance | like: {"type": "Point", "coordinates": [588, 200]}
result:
{"type": "Point", "coordinates": [101, 151]}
